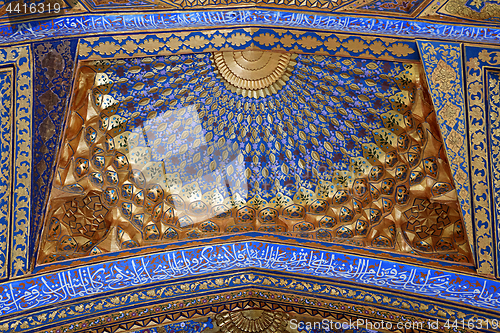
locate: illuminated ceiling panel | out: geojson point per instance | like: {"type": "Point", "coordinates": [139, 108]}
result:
{"type": "Point", "coordinates": [338, 150]}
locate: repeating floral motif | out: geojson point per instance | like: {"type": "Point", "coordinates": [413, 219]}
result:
{"type": "Point", "coordinates": [485, 218]}
{"type": "Point", "coordinates": [159, 22]}
{"type": "Point", "coordinates": [54, 62]}
{"type": "Point", "coordinates": [7, 89]}
{"type": "Point", "coordinates": [493, 84]}
{"type": "Point", "coordinates": [20, 58]}
{"type": "Point", "coordinates": [443, 67]}
{"type": "Point", "coordinates": [241, 39]}
{"type": "Point", "coordinates": [188, 326]}
{"type": "Point", "coordinates": [471, 9]}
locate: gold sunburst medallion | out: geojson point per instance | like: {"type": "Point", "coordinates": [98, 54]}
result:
{"type": "Point", "coordinates": [252, 321]}
{"type": "Point", "coordinates": [254, 73]}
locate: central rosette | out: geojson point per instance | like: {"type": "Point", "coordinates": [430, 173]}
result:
{"type": "Point", "coordinates": [254, 73]}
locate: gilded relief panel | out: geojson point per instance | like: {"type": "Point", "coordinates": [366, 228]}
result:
{"type": "Point", "coordinates": [297, 41]}
{"type": "Point", "coordinates": [332, 149]}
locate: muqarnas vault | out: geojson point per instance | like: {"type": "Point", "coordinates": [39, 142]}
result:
{"type": "Point", "coordinates": [339, 150]}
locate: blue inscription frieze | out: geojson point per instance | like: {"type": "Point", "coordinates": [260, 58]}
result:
{"type": "Point", "coordinates": [80, 25]}
{"type": "Point", "coordinates": [30, 293]}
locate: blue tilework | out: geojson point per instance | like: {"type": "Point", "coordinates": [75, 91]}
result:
{"type": "Point", "coordinates": [53, 74]}
{"type": "Point", "coordinates": [76, 25]}
{"type": "Point", "coordinates": [34, 292]}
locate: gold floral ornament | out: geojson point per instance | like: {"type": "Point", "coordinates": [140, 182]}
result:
{"type": "Point", "coordinates": [252, 321]}
{"type": "Point", "coordinates": [254, 73]}
{"type": "Point", "coordinates": [444, 75]}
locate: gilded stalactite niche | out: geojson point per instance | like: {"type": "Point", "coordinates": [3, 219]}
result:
{"type": "Point", "coordinates": [190, 146]}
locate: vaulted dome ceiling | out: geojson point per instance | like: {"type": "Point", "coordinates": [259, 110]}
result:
{"type": "Point", "coordinates": [187, 146]}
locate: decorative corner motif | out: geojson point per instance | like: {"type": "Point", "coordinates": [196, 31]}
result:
{"type": "Point", "coordinates": [443, 69]}
{"type": "Point", "coordinates": [481, 7]}
{"type": "Point", "coordinates": [478, 5]}
{"type": "Point", "coordinates": [477, 10]}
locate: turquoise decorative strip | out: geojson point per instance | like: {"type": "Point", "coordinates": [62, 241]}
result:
{"type": "Point", "coordinates": [155, 22]}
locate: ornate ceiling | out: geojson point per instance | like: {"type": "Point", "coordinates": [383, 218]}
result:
{"type": "Point", "coordinates": [198, 166]}
{"type": "Point", "coordinates": [183, 147]}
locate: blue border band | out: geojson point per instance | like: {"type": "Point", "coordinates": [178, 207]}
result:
{"type": "Point", "coordinates": [71, 284]}
{"type": "Point", "coordinates": [94, 24]}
